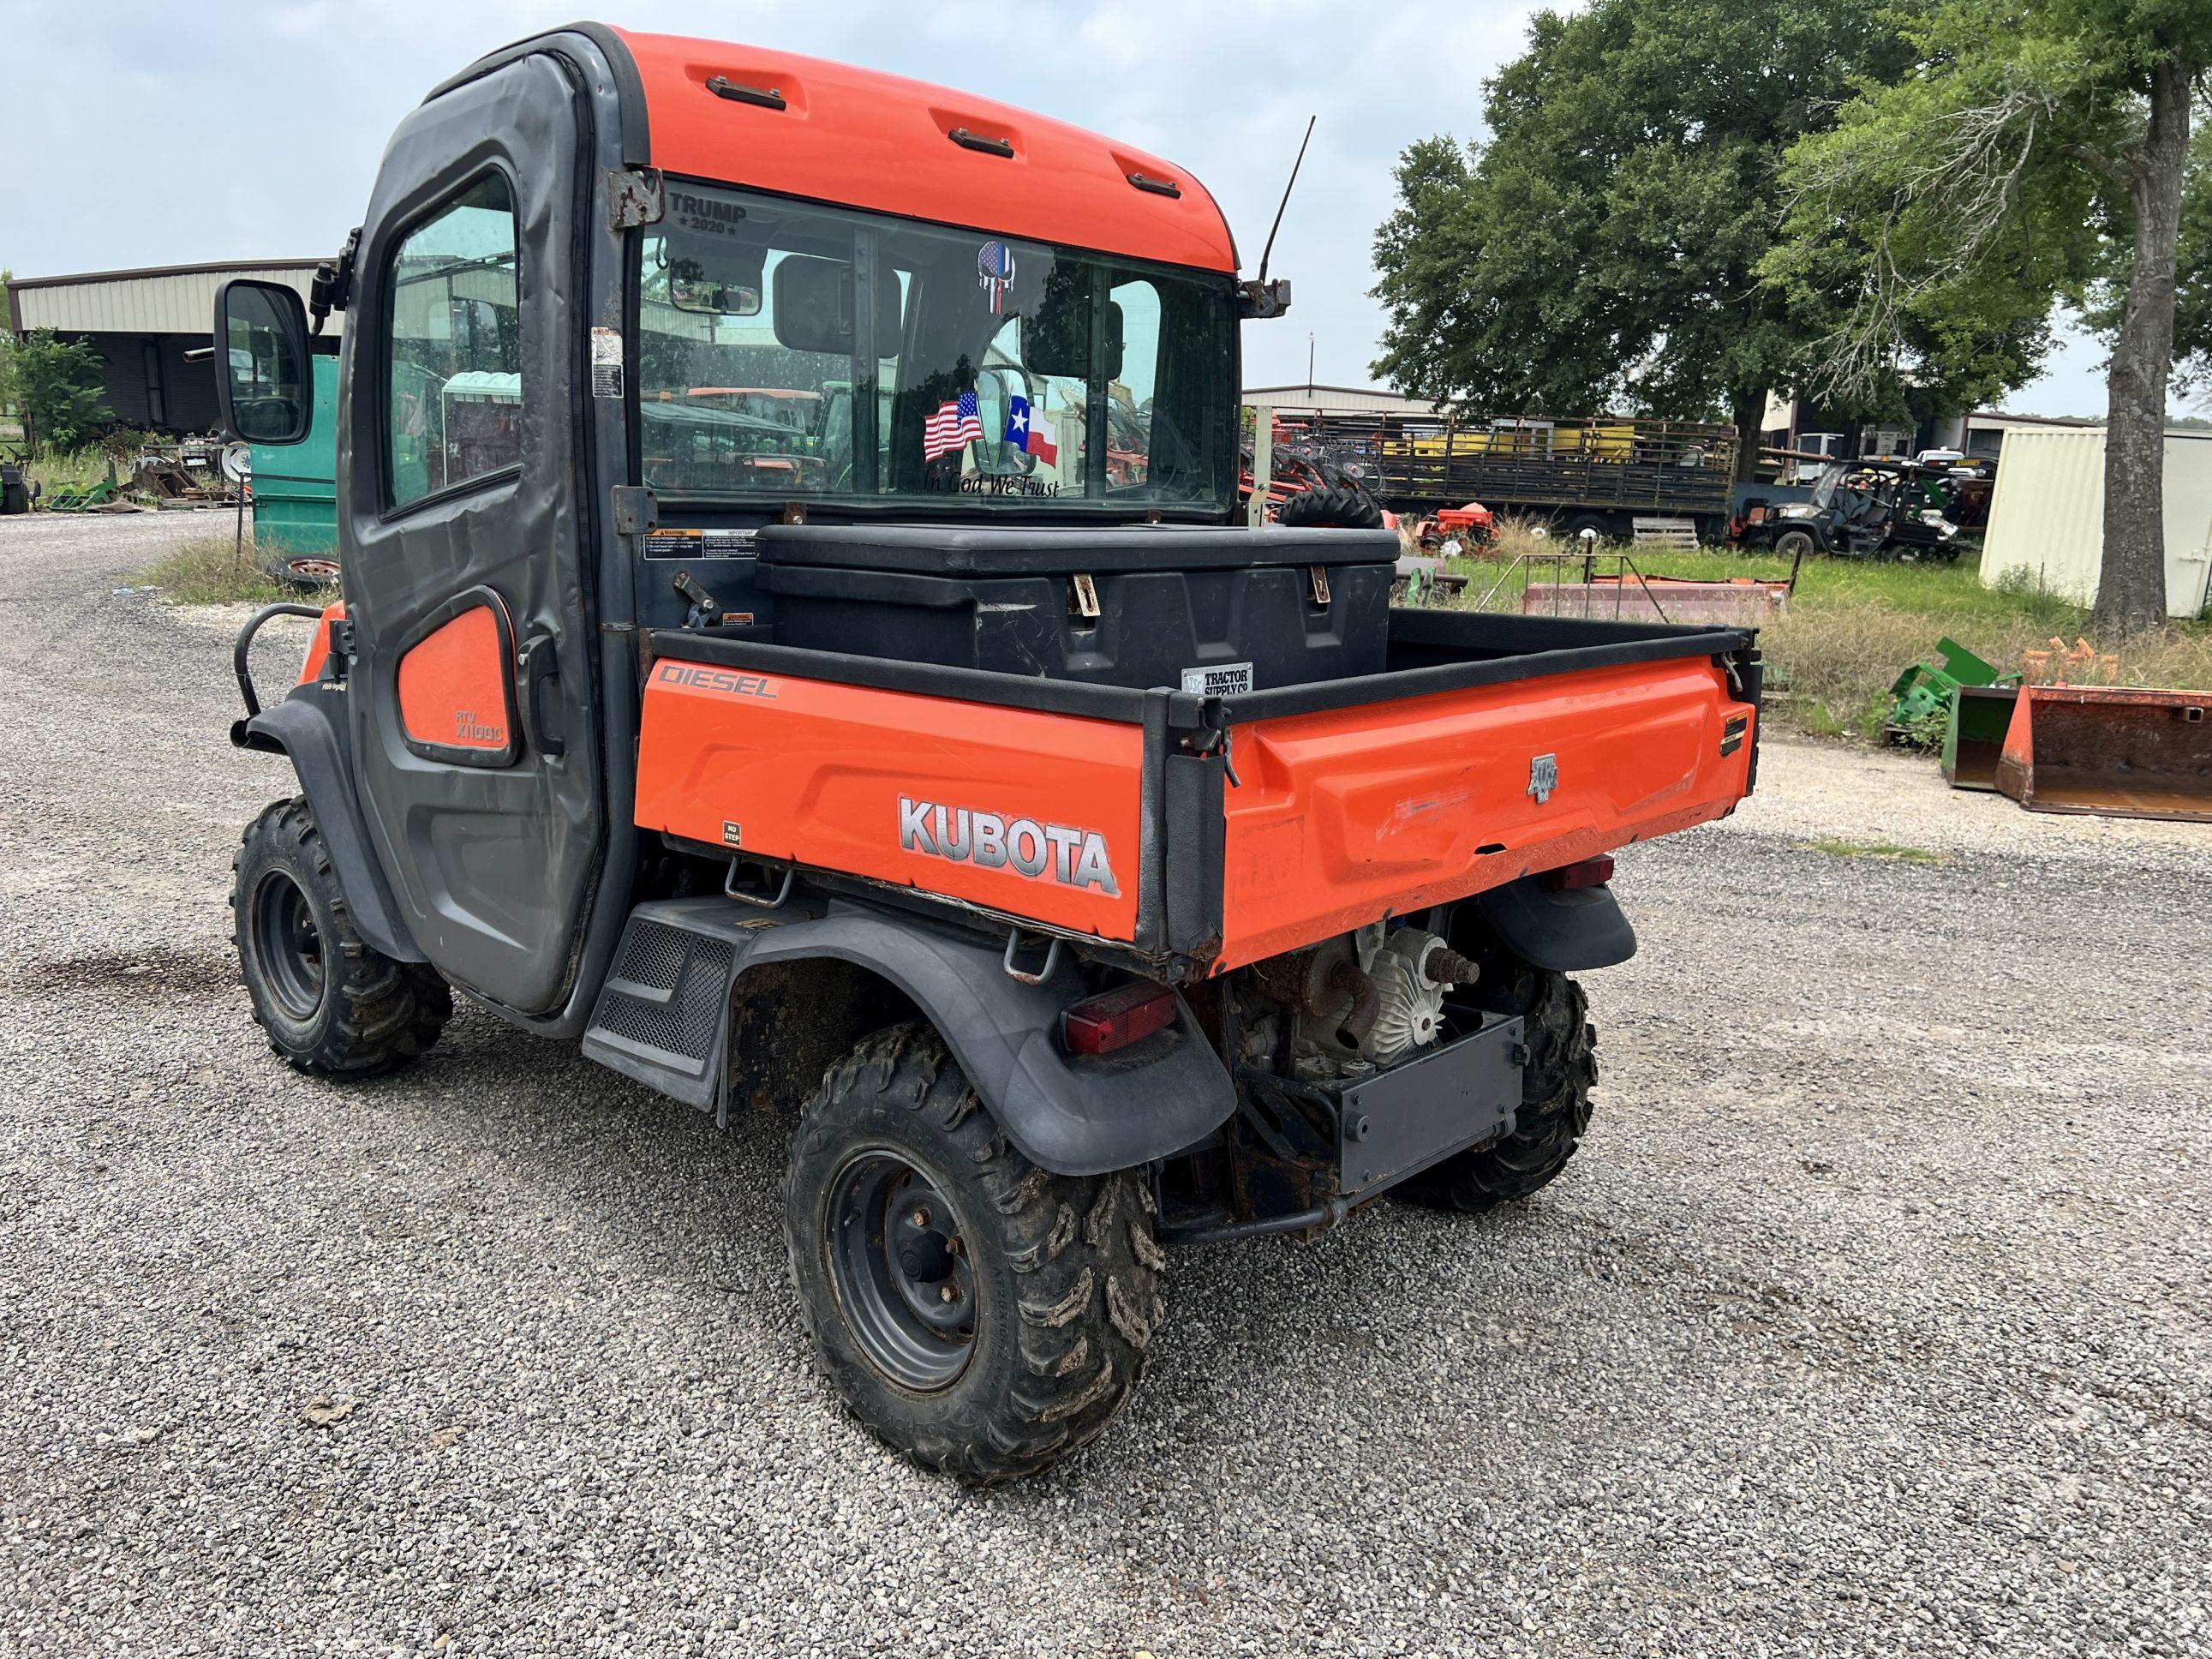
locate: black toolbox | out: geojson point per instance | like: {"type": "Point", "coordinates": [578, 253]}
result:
{"type": "Point", "coordinates": [1222, 609]}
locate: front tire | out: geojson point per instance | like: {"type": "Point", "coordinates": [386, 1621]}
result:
{"type": "Point", "coordinates": [331, 1005]}
{"type": "Point", "coordinates": [975, 1312]}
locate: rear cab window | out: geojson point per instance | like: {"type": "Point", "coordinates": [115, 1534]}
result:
{"type": "Point", "coordinates": [789, 349]}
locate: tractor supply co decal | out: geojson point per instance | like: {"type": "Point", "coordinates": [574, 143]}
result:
{"type": "Point", "coordinates": [701, 545]}
{"type": "Point", "coordinates": [1045, 851]}
{"type": "Point", "coordinates": [606, 362]}
{"type": "Point", "coordinates": [1222, 679]}
{"type": "Point", "coordinates": [994, 269]}
{"type": "Point", "coordinates": [722, 682]}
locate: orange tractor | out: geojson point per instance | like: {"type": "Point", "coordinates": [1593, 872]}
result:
{"type": "Point", "coordinates": [912, 742]}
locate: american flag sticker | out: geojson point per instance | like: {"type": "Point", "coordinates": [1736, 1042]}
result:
{"type": "Point", "coordinates": [956, 421]}
{"type": "Point", "coordinates": [994, 269]}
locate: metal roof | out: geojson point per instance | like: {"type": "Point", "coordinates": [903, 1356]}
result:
{"type": "Point", "coordinates": [157, 300]}
{"type": "Point", "coordinates": [1348, 399]}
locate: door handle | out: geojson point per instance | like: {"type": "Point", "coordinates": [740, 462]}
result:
{"type": "Point", "coordinates": [540, 662]}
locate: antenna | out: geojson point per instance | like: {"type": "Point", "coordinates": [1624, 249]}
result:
{"type": "Point", "coordinates": [1285, 202]}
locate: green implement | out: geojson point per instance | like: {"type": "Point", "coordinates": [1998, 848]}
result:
{"type": "Point", "coordinates": [1930, 696]}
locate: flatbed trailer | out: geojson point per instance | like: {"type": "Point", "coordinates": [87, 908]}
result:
{"type": "Point", "coordinates": [1602, 473]}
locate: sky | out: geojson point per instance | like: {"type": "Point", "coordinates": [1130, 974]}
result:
{"type": "Point", "coordinates": [150, 134]}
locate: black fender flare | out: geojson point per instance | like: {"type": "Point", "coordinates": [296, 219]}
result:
{"type": "Point", "coordinates": [1072, 1115]}
{"type": "Point", "coordinates": [1562, 932]}
{"type": "Point", "coordinates": [308, 728]}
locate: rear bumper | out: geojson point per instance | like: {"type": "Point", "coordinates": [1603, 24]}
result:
{"type": "Point", "coordinates": [1299, 1157]}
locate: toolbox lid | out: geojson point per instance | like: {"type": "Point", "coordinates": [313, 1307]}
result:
{"type": "Point", "coordinates": [959, 550]}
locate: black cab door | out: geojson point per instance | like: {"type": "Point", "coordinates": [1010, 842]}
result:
{"type": "Point", "coordinates": [475, 728]}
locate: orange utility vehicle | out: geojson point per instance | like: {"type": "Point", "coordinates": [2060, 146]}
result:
{"type": "Point", "coordinates": [910, 740]}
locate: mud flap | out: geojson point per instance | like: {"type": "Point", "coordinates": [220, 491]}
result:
{"type": "Point", "coordinates": [664, 1018]}
{"type": "Point", "coordinates": [1562, 933]}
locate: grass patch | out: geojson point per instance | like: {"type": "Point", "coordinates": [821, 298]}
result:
{"type": "Point", "coordinates": [213, 570]}
{"type": "Point", "coordinates": [1873, 849]}
{"type": "Point", "coordinates": [1854, 625]}
{"type": "Point", "coordinates": [79, 470]}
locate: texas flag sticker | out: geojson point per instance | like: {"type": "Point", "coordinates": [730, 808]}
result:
{"type": "Point", "coordinates": [1024, 435]}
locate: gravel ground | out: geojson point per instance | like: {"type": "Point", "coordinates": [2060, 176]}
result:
{"type": "Point", "coordinates": [1872, 1319]}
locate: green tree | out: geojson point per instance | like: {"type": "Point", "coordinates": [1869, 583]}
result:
{"type": "Point", "coordinates": [2036, 151]}
{"type": "Point", "coordinates": [57, 383]}
{"type": "Point", "coordinates": [1602, 246]}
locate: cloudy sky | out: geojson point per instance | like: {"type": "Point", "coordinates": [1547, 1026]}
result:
{"type": "Point", "coordinates": [142, 134]}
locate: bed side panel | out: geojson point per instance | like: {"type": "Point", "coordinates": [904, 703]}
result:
{"type": "Point", "coordinates": [1032, 814]}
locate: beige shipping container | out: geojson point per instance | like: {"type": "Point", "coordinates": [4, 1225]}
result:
{"type": "Point", "coordinates": [2047, 516]}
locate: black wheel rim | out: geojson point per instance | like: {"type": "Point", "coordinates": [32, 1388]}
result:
{"type": "Point", "coordinates": [901, 1265]}
{"type": "Point", "coordinates": [290, 948]}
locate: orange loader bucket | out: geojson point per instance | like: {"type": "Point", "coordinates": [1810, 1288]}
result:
{"type": "Point", "coordinates": [2118, 751]}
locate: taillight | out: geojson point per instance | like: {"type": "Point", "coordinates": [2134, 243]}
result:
{"type": "Point", "coordinates": [1590, 872]}
{"type": "Point", "coordinates": [1117, 1019]}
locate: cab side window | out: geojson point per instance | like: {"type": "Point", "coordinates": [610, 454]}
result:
{"type": "Point", "coordinates": [454, 403]}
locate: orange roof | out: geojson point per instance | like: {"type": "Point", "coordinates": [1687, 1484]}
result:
{"type": "Point", "coordinates": [868, 140]}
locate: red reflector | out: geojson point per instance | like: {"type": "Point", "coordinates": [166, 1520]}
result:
{"type": "Point", "coordinates": [1119, 1018]}
{"type": "Point", "coordinates": [1590, 872]}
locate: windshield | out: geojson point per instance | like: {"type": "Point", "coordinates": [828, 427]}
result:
{"type": "Point", "coordinates": [978, 367]}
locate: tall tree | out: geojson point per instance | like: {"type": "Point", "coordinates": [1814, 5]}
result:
{"type": "Point", "coordinates": [1602, 245]}
{"type": "Point", "coordinates": [2035, 146]}
{"type": "Point", "coordinates": [58, 383]}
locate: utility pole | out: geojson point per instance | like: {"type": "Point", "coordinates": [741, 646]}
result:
{"type": "Point", "coordinates": [1309, 360]}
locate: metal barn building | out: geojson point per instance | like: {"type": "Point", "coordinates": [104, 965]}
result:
{"type": "Point", "coordinates": [1336, 400]}
{"type": "Point", "coordinates": [142, 322]}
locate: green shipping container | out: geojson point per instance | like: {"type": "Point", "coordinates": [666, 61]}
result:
{"type": "Point", "coordinates": [295, 504]}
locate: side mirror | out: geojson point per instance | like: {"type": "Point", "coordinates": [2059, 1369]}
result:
{"type": "Point", "coordinates": [1057, 341]}
{"type": "Point", "coordinates": [814, 308]}
{"type": "Point", "coordinates": [264, 382]}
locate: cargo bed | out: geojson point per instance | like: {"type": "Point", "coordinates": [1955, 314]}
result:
{"type": "Point", "coordinates": [1194, 833]}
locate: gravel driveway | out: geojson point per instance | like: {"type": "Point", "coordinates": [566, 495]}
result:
{"type": "Point", "coordinates": [1871, 1319]}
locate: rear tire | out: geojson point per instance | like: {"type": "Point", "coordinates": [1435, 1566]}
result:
{"type": "Point", "coordinates": [331, 1005]}
{"type": "Point", "coordinates": [1555, 1089]}
{"type": "Point", "coordinates": [976, 1312]}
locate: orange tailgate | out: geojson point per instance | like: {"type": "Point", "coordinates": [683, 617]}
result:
{"type": "Point", "coordinates": [1345, 814]}
{"type": "Point", "coordinates": [1032, 814]}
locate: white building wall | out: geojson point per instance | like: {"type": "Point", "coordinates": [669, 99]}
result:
{"type": "Point", "coordinates": [2047, 515]}
{"type": "Point", "coordinates": [164, 302]}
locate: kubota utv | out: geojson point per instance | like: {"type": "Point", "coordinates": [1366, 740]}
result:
{"type": "Point", "coordinates": [797, 641]}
